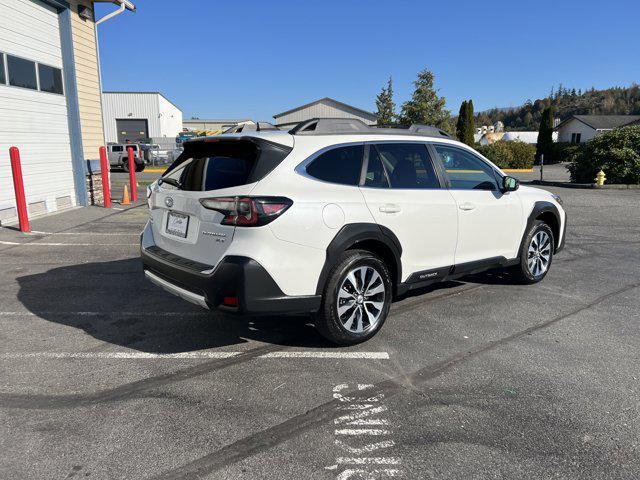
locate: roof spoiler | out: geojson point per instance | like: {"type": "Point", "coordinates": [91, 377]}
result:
{"type": "Point", "coordinates": [333, 126]}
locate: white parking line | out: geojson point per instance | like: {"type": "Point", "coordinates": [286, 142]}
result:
{"type": "Point", "coordinates": [49, 244]}
{"type": "Point", "coordinates": [368, 355]}
{"type": "Point", "coordinates": [190, 355]}
{"type": "Point", "coordinates": [119, 355]}
{"type": "Point", "coordinates": [109, 314]}
{"type": "Point", "coordinates": [368, 460]}
{"type": "Point", "coordinates": [110, 234]}
{"type": "Point", "coordinates": [361, 431]}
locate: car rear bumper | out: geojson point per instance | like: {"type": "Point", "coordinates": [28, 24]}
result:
{"type": "Point", "coordinates": [237, 284]}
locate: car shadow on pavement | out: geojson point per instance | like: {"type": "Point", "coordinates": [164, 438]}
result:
{"type": "Point", "coordinates": [114, 303]}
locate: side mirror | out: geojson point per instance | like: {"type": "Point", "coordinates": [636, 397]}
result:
{"type": "Point", "coordinates": [510, 184]}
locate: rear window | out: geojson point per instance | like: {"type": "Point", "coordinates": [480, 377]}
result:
{"type": "Point", "coordinates": [213, 165]}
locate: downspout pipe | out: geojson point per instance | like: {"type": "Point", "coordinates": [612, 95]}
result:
{"type": "Point", "coordinates": [124, 4]}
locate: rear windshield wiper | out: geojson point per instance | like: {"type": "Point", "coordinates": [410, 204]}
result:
{"type": "Point", "coordinates": [170, 181]}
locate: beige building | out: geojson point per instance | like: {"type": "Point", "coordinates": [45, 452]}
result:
{"type": "Point", "coordinates": [50, 104]}
{"type": "Point", "coordinates": [323, 108]}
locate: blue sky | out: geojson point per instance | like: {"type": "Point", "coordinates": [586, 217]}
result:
{"type": "Point", "coordinates": [253, 59]}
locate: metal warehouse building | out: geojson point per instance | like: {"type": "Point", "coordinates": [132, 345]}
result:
{"type": "Point", "coordinates": [139, 117]}
{"type": "Point", "coordinates": [323, 108]}
{"type": "Point", "coordinates": [49, 100]}
{"type": "Point", "coordinates": [195, 124]}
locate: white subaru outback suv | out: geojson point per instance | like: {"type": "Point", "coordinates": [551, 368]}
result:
{"type": "Point", "coordinates": [336, 219]}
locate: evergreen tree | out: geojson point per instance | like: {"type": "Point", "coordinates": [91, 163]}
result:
{"type": "Point", "coordinates": [470, 127]}
{"type": "Point", "coordinates": [461, 123]}
{"type": "Point", "coordinates": [425, 106]}
{"type": "Point", "coordinates": [545, 135]}
{"type": "Point", "coordinates": [386, 108]}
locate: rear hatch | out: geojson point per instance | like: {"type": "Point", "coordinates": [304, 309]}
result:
{"type": "Point", "coordinates": [217, 167]}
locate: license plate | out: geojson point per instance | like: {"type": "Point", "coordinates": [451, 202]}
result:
{"type": "Point", "coordinates": [177, 224]}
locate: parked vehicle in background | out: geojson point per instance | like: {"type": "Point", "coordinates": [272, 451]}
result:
{"type": "Point", "coordinates": [336, 219]}
{"type": "Point", "coordinates": [183, 136]}
{"type": "Point", "coordinates": [118, 156]}
{"type": "Point", "coordinates": [163, 153]}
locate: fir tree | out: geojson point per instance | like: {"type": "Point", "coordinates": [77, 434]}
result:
{"type": "Point", "coordinates": [545, 135]}
{"type": "Point", "coordinates": [470, 127]}
{"type": "Point", "coordinates": [425, 106]}
{"type": "Point", "coordinates": [386, 108]}
{"type": "Point", "coordinates": [461, 122]}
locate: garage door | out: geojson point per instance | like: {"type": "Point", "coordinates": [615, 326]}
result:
{"type": "Point", "coordinates": [132, 130]}
{"type": "Point", "coordinates": [33, 108]}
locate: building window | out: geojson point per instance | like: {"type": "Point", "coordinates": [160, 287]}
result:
{"type": "Point", "coordinates": [3, 79]}
{"type": "Point", "coordinates": [575, 137]}
{"type": "Point", "coordinates": [50, 79]}
{"type": "Point", "coordinates": [22, 73]}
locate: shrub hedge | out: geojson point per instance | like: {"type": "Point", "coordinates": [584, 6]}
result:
{"type": "Point", "coordinates": [616, 152]}
{"type": "Point", "coordinates": [505, 154]}
{"type": "Point", "coordinates": [565, 152]}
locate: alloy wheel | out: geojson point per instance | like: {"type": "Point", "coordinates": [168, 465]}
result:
{"type": "Point", "coordinates": [539, 253]}
{"type": "Point", "coordinates": [361, 299]}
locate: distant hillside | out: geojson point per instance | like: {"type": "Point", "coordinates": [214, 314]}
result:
{"type": "Point", "coordinates": [566, 102]}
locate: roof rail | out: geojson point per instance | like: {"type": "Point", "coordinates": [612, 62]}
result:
{"type": "Point", "coordinates": [252, 127]}
{"type": "Point", "coordinates": [332, 126]}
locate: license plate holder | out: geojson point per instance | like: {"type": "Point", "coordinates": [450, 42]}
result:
{"type": "Point", "coordinates": [177, 224]}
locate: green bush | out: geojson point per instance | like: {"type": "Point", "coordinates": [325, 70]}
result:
{"type": "Point", "coordinates": [565, 152]}
{"type": "Point", "coordinates": [509, 154]}
{"type": "Point", "coordinates": [524, 154]}
{"type": "Point", "coordinates": [499, 153]}
{"type": "Point", "coordinates": [616, 152]}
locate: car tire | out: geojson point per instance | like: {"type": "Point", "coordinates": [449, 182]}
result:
{"type": "Point", "coordinates": [351, 314]}
{"type": "Point", "coordinates": [125, 167]}
{"type": "Point", "coordinates": [536, 254]}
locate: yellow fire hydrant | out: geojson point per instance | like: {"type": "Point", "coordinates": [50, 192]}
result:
{"type": "Point", "coordinates": [600, 178]}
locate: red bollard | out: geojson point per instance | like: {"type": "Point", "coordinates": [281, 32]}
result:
{"type": "Point", "coordinates": [132, 176]}
{"type": "Point", "coordinates": [104, 172]}
{"type": "Point", "coordinates": [18, 186]}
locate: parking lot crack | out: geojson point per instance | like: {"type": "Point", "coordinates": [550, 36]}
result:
{"type": "Point", "coordinates": [130, 390]}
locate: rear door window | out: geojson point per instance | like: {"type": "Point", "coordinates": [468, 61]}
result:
{"type": "Point", "coordinates": [376, 175]}
{"type": "Point", "coordinates": [339, 165]}
{"type": "Point", "coordinates": [407, 165]}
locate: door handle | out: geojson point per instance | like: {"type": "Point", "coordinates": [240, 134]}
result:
{"type": "Point", "coordinates": [390, 208]}
{"type": "Point", "coordinates": [466, 206]}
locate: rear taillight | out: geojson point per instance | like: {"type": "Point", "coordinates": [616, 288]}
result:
{"type": "Point", "coordinates": [247, 211]}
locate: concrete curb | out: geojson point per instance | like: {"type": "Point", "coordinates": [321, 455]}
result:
{"type": "Point", "coordinates": [612, 186]}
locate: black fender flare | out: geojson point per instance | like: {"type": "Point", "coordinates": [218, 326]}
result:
{"type": "Point", "coordinates": [539, 208]}
{"type": "Point", "coordinates": [352, 234]}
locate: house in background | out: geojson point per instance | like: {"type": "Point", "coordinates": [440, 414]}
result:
{"type": "Point", "coordinates": [49, 100]}
{"type": "Point", "coordinates": [581, 128]}
{"type": "Point", "coordinates": [323, 108]}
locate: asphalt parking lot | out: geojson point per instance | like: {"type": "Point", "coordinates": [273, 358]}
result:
{"type": "Point", "coordinates": [106, 376]}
